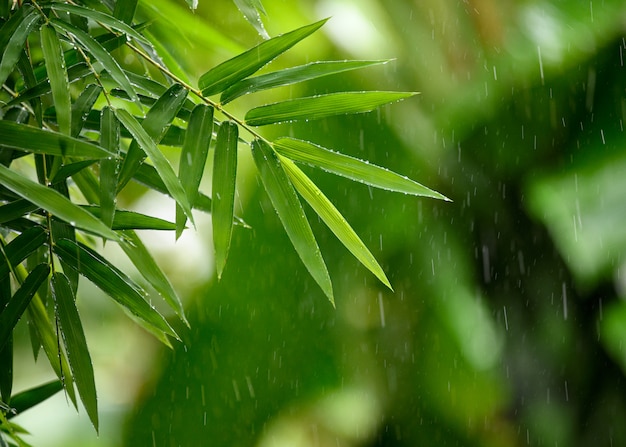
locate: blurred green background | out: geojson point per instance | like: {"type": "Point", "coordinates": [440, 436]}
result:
{"type": "Point", "coordinates": [508, 320]}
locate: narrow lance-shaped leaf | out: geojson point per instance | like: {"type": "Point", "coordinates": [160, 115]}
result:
{"type": "Point", "coordinates": [12, 46]}
{"type": "Point", "coordinates": [100, 54]}
{"type": "Point", "coordinates": [292, 75]}
{"type": "Point", "coordinates": [130, 220]}
{"type": "Point", "coordinates": [149, 269]}
{"type": "Point", "coordinates": [21, 247]}
{"type": "Point", "coordinates": [55, 203]}
{"type": "Point", "coordinates": [159, 161]}
{"type": "Point", "coordinates": [333, 219]}
{"type": "Point", "coordinates": [75, 343]}
{"type": "Point", "coordinates": [193, 157]}
{"type": "Point", "coordinates": [125, 10]}
{"type": "Point", "coordinates": [322, 106]}
{"type": "Point", "coordinates": [227, 73]}
{"type": "Point", "coordinates": [352, 168]}
{"type": "Point", "coordinates": [286, 203]}
{"type": "Point", "coordinates": [252, 10]}
{"type": "Point", "coordinates": [224, 181]}
{"type": "Point", "coordinates": [82, 106]}
{"type": "Point", "coordinates": [24, 400]}
{"type": "Point", "coordinates": [57, 74]}
{"type": "Point", "coordinates": [115, 284]}
{"type": "Point", "coordinates": [110, 139]}
{"type": "Point", "coordinates": [155, 125]}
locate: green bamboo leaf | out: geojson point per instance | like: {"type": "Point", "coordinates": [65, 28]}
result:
{"type": "Point", "coordinates": [224, 181]}
{"type": "Point", "coordinates": [322, 106]}
{"type": "Point", "coordinates": [286, 203]}
{"type": "Point", "coordinates": [333, 219]}
{"type": "Point", "coordinates": [155, 125]}
{"type": "Point", "coordinates": [252, 10]}
{"type": "Point", "coordinates": [28, 75]}
{"type": "Point", "coordinates": [21, 247]}
{"type": "Point", "coordinates": [75, 343]}
{"type": "Point", "coordinates": [125, 10]}
{"type": "Point", "coordinates": [130, 220]}
{"type": "Point", "coordinates": [159, 161]}
{"type": "Point", "coordinates": [69, 170]}
{"type": "Point", "coordinates": [13, 35]}
{"type": "Point", "coordinates": [55, 203]}
{"type": "Point", "coordinates": [82, 106]}
{"type": "Point", "coordinates": [147, 266]}
{"type": "Point", "coordinates": [6, 340]}
{"type": "Point", "coordinates": [24, 400]}
{"type": "Point", "coordinates": [233, 70]}
{"type": "Point", "coordinates": [100, 54]}
{"type": "Point", "coordinates": [16, 209]}
{"type": "Point", "coordinates": [352, 168]}
{"type": "Point", "coordinates": [292, 75]}
{"type": "Point", "coordinates": [193, 157]}
{"type": "Point", "coordinates": [110, 139]}
{"type": "Point", "coordinates": [115, 284]}
{"type": "Point", "coordinates": [102, 18]}
{"type": "Point", "coordinates": [57, 74]}
{"type": "Point", "coordinates": [31, 139]}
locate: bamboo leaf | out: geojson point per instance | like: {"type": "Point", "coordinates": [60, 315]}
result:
{"type": "Point", "coordinates": [292, 75]}
{"type": "Point", "coordinates": [75, 343]}
{"type": "Point", "coordinates": [110, 139]}
{"type": "Point", "coordinates": [21, 247]}
{"type": "Point", "coordinates": [322, 106]}
{"type": "Point", "coordinates": [115, 284]}
{"type": "Point", "coordinates": [147, 266]}
{"type": "Point", "coordinates": [130, 220]}
{"type": "Point", "coordinates": [159, 161]}
{"type": "Point", "coordinates": [352, 168]}
{"type": "Point", "coordinates": [55, 203]}
{"type": "Point", "coordinates": [31, 139]}
{"type": "Point", "coordinates": [24, 400]}
{"type": "Point", "coordinates": [100, 54]}
{"type": "Point", "coordinates": [333, 219]}
{"type": "Point", "coordinates": [252, 10]}
{"type": "Point", "coordinates": [233, 70]}
{"type": "Point", "coordinates": [69, 170]}
{"type": "Point", "coordinates": [101, 17]}
{"type": "Point", "coordinates": [291, 214]}
{"type": "Point", "coordinates": [82, 106]}
{"type": "Point", "coordinates": [57, 74]}
{"type": "Point", "coordinates": [6, 341]}
{"type": "Point", "coordinates": [16, 209]}
{"type": "Point", "coordinates": [193, 157]}
{"type": "Point", "coordinates": [125, 10]}
{"type": "Point", "coordinates": [13, 35]}
{"type": "Point", "coordinates": [155, 125]}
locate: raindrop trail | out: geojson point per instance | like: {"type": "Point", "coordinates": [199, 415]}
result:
{"type": "Point", "coordinates": [540, 64]}
{"type": "Point", "coordinates": [564, 293]}
{"type": "Point", "coordinates": [381, 308]}
{"type": "Point", "coordinates": [506, 320]}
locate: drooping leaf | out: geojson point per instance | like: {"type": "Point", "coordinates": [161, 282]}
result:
{"type": "Point", "coordinates": [115, 284]}
{"type": "Point", "coordinates": [349, 167]}
{"type": "Point", "coordinates": [224, 181]}
{"type": "Point", "coordinates": [13, 311]}
{"type": "Point", "coordinates": [55, 203]}
{"type": "Point", "coordinates": [252, 10]}
{"type": "Point", "coordinates": [155, 125]}
{"type": "Point", "coordinates": [149, 269]}
{"type": "Point", "coordinates": [193, 157]}
{"type": "Point", "coordinates": [159, 161]}
{"type": "Point", "coordinates": [233, 70]}
{"type": "Point", "coordinates": [21, 247]}
{"type": "Point", "coordinates": [333, 219]}
{"type": "Point", "coordinates": [110, 139]}
{"type": "Point", "coordinates": [292, 75]}
{"type": "Point", "coordinates": [13, 34]}
{"type": "Point", "coordinates": [100, 54]}
{"type": "Point", "coordinates": [322, 106]}
{"type": "Point", "coordinates": [32, 139]}
{"type": "Point", "coordinates": [57, 74]}
{"type": "Point", "coordinates": [63, 230]}
{"type": "Point", "coordinates": [286, 203]}
{"type": "Point", "coordinates": [103, 18]}
{"type": "Point", "coordinates": [130, 220]}
{"type": "Point", "coordinates": [75, 343]}
{"type": "Point", "coordinates": [82, 106]}
{"type": "Point", "coordinates": [24, 400]}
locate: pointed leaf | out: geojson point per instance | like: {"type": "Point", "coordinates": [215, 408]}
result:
{"type": "Point", "coordinates": [125, 10]}
{"type": "Point", "coordinates": [55, 203]}
{"type": "Point", "coordinates": [115, 284]}
{"type": "Point", "coordinates": [155, 125]}
{"type": "Point", "coordinates": [16, 209]}
{"type": "Point", "coordinates": [57, 74]}
{"type": "Point", "coordinates": [233, 70]}
{"type": "Point", "coordinates": [24, 400]}
{"type": "Point", "coordinates": [82, 106]}
{"type": "Point", "coordinates": [31, 139]}
{"type": "Point", "coordinates": [251, 10]}
{"type": "Point", "coordinates": [21, 247]}
{"type": "Point", "coordinates": [349, 167]}
{"type": "Point", "coordinates": [224, 181]}
{"type": "Point", "coordinates": [316, 107]}
{"type": "Point", "coordinates": [100, 54]}
{"type": "Point", "coordinates": [13, 35]}
{"type": "Point", "coordinates": [333, 218]}
{"type": "Point", "coordinates": [193, 157]}
{"type": "Point", "coordinates": [159, 161]}
{"type": "Point", "coordinates": [291, 214]}
{"type": "Point", "coordinates": [75, 343]}
{"type": "Point", "coordinates": [292, 75]}
{"type": "Point", "coordinates": [147, 266]}
{"type": "Point", "coordinates": [110, 139]}
{"type": "Point", "coordinates": [129, 220]}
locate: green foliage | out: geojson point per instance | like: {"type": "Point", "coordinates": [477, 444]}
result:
{"type": "Point", "coordinates": [77, 116]}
